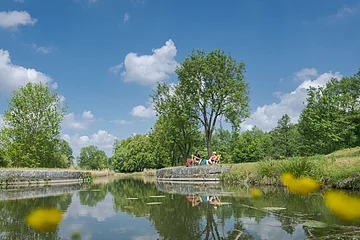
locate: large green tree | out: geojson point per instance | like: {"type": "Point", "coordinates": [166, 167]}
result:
{"type": "Point", "coordinates": [92, 158]}
{"type": "Point", "coordinates": [133, 154]}
{"type": "Point", "coordinates": [30, 135]}
{"type": "Point", "coordinates": [285, 138]}
{"type": "Point", "coordinates": [181, 129]}
{"type": "Point", "coordinates": [252, 145]}
{"type": "Point", "coordinates": [3, 160]}
{"type": "Point", "coordinates": [222, 142]}
{"type": "Point", "coordinates": [213, 85]}
{"type": "Point", "coordinates": [164, 149]}
{"type": "Point", "coordinates": [331, 119]}
{"type": "Point", "coordinates": [65, 153]}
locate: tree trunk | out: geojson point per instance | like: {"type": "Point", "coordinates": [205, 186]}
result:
{"type": "Point", "coordinates": [184, 155]}
{"type": "Point", "coordinates": [208, 142]}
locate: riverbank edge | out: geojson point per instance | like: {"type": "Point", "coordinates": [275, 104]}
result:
{"type": "Point", "coordinates": [340, 169]}
{"type": "Point", "coordinates": [339, 173]}
{"type": "Point", "coordinates": [48, 176]}
{"type": "Point", "coordinates": [191, 174]}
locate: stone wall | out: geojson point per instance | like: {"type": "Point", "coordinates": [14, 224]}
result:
{"type": "Point", "coordinates": [204, 173]}
{"type": "Point", "coordinates": [39, 175]}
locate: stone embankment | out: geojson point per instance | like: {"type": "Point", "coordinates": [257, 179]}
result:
{"type": "Point", "coordinates": [196, 173]}
{"type": "Point", "coordinates": [29, 176]}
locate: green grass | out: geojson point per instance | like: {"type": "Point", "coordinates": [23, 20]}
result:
{"type": "Point", "coordinates": [340, 169]}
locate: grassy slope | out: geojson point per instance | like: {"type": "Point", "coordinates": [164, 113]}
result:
{"type": "Point", "coordinates": [339, 169]}
{"type": "Point", "coordinates": [343, 158]}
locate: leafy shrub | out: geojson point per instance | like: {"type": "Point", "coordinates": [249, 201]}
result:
{"type": "Point", "coordinates": [268, 168]}
{"type": "Point", "coordinates": [304, 166]}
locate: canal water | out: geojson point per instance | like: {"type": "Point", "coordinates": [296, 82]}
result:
{"type": "Point", "coordinates": [142, 209]}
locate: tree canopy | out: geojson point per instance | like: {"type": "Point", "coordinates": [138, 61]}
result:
{"type": "Point", "coordinates": [30, 136]}
{"type": "Point", "coordinates": [92, 158]}
{"type": "Point", "coordinates": [174, 117]}
{"type": "Point", "coordinates": [213, 85]}
{"type": "Point", "coordinates": [331, 118]}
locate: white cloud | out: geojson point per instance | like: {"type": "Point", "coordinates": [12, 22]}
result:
{"type": "Point", "coordinates": [143, 112]}
{"type": "Point", "coordinates": [13, 19]}
{"type": "Point", "coordinates": [53, 85]}
{"type": "Point", "coordinates": [102, 139]}
{"type": "Point", "coordinates": [265, 229]}
{"type": "Point", "coordinates": [116, 69]}
{"type": "Point", "coordinates": [122, 122]}
{"type": "Point", "coordinates": [343, 12]}
{"type": "Point", "coordinates": [149, 69]}
{"type": "Point", "coordinates": [277, 94]}
{"type": "Point", "coordinates": [266, 117]}
{"type": "Point", "coordinates": [1, 122]}
{"type": "Point", "coordinates": [70, 122]}
{"type": "Point", "coordinates": [43, 50]}
{"type": "Point", "coordinates": [126, 17]}
{"type": "Point", "coordinates": [62, 99]}
{"type": "Point", "coordinates": [20, 1]}
{"type": "Point", "coordinates": [172, 88]}
{"type": "Point", "coordinates": [87, 115]}
{"type": "Point", "coordinates": [12, 76]}
{"type": "Point", "coordinates": [139, 1]}
{"type": "Point", "coordinates": [103, 209]}
{"type": "Point", "coordinates": [306, 74]}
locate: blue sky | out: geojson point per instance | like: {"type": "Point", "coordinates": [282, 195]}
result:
{"type": "Point", "coordinates": [105, 56]}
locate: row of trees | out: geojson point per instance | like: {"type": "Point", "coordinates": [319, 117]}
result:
{"type": "Point", "coordinates": [211, 88]}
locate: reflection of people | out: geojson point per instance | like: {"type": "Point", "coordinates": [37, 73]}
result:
{"type": "Point", "coordinates": [195, 201]}
{"type": "Point", "coordinates": [215, 201]}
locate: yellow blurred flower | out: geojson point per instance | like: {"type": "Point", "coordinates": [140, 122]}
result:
{"type": "Point", "coordinates": [44, 219]}
{"type": "Point", "coordinates": [342, 205]}
{"type": "Point", "coordinates": [303, 185]}
{"type": "Point", "coordinates": [255, 192]}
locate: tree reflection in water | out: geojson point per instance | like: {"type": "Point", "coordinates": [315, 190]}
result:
{"type": "Point", "coordinates": [194, 214]}
{"type": "Point", "coordinates": [214, 214]}
{"type": "Point", "coordinates": [178, 216]}
{"type": "Point", "coordinates": [13, 213]}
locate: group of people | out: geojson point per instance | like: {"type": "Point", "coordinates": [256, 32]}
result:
{"type": "Point", "coordinates": [214, 159]}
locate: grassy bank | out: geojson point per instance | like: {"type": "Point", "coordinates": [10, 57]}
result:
{"type": "Point", "coordinates": [340, 169]}
{"type": "Point", "coordinates": [145, 172]}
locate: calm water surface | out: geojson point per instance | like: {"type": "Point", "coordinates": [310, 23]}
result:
{"type": "Point", "coordinates": [171, 211]}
